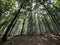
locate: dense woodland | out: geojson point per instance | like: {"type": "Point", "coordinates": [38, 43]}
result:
{"type": "Point", "coordinates": [29, 17]}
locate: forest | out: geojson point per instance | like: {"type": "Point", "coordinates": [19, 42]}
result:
{"type": "Point", "coordinates": [29, 22]}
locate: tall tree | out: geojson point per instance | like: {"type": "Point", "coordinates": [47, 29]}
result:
{"type": "Point", "coordinates": [8, 28]}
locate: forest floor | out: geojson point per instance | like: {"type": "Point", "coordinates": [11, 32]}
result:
{"type": "Point", "coordinates": [46, 39]}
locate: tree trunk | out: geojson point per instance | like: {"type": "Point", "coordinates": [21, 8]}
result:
{"type": "Point", "coordinates": [8, 28]}
{"type": "Point", "coordinates": [30, 25]}
{"type": "Point", "coordinates": [52, 18]}
{"type": "Point", "coordinates": [12, 27]}
{"type": "Point", "coordinates": [23, 26]}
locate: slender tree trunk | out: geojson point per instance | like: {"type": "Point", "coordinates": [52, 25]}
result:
{"type": "Point", "coordinates": [12, 27]}
{"type": "Point", "coordinates": [47, 24]}
{"type": "Point", "coordinates": [23, 26]}
{"type": "Point", "coordinates": [51, 17]}
{"type": "Point", "coordinates": [35, 29]}
{"type": "Point", "coordinates": [56, 14]}
{"type": "Point", "coordinates": [2, 30]}
{"type": "Point", "coordinates": [8, 28]}
{"type": "Point", "coordinates": [39, 25]}
{"type": "Point", "coordinates": [30, 25]}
